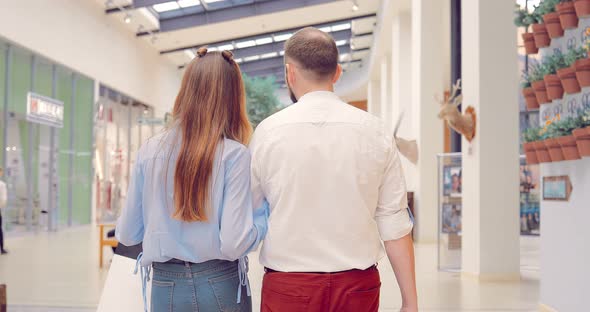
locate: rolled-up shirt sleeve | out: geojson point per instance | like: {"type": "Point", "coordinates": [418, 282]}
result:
{"type": "Point", "coordinates": [392, 216]}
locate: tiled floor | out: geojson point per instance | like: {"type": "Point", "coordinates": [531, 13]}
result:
{"type": "Point", "coordinates": [59, 272]}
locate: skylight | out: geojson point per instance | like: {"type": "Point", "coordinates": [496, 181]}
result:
{"type": "Point", "coordinates": [225, 47]}
{"type": "Point", "coordinates": [264, 40]}
{"type": "Point", "coordinates": [282, 37]}
{"type": "Point", "coordinates": [245, 44]}
{"type": "Point", "coordinates": [188, 3]}
{"type": "Point", "coordinates": [341, 27]}
{"type": "Point", "coordinates": [166, 6]}
{"type": "Point", "coordinates": [269, 55]}
{"type": "Point", "coordinates": [251, 58]}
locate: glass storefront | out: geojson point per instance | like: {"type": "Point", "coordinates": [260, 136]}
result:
{"type": "Point", "coordinates": [122, 125]}
{"type": "Point", "coordinates": [48, 170]}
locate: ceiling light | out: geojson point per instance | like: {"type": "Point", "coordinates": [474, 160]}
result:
{"type": "Point", "coordinates": [326, 29]}
{"type": "Point", "coordinates": [225, 47]}
{"type": "Point", "coordinates": [252, 58]}
{"type": "Point", "coordinates": [211, 49]}
{"type": "Point", "coordinates": [352, 46]}
{"type": "Point", "coordinates": [269, 55]}
{"type": "Point", "coordinates": [238, 60]}
{"type": "Point", "coordinates": [212, 1]}
{"type": "Point", "coordinates": [266, 40]}
{"type": "Point", "coordinates": [127, 18]}
{"type": "Point", "coordinates": [341, 42]}
{"type": "Point", "coordinates": [166, 6]}
{"type": "Point", "coordinates": [282, 37]}
{"type": "Point", "coordinates": [355, 6]}
{"type": "Point", "coordinates": [245, 44]}
{"type": "Point", "coordinates": [344, 57]}
{"type": "Point", "coordinates": [188, 3]}
{"type": "Point", "coordinates": [282, 53]}
{"type": "Point", "coordinates": [341, 27]}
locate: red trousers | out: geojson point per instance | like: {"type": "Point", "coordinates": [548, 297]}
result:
{"type": "Point", "coordinates": [349, 291]}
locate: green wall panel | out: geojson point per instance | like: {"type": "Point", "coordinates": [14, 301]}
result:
{"type": "Point", "coordinates": [83, 115]}
{"type": "Point", "coordinates": [20, 80]}
{"type": "Point", "coordinates": [64, 94]}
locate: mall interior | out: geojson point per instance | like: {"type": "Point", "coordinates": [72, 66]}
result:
{"type": "Point", "coordinates": [493, 97]}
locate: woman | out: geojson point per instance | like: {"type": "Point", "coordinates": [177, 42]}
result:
{"type": "Point", "coordinates": [189, 199]}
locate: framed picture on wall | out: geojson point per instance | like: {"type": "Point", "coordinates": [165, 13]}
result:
{"type": "Point", "coordinates": [557, 188]}
{"type": "Point", "coordinates": [452, 181]}
{"type": "Point", "coordinates": [451, 218]}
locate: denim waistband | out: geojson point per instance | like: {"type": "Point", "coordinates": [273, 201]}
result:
{"type": "Point", "coordinates": [179, 266]}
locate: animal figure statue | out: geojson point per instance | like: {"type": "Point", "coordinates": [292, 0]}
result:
{"type": "Point", "coordinates": [449, 111]}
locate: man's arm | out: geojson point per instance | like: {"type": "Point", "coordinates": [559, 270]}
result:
{"type": "Point", "coordinates": [395, 225]}
{"type": "Point", "coordinates": [401, 256]}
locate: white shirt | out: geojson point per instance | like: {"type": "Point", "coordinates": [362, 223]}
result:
{"type": "Point", "coordinates": [3, 195]}
{"type": "Point", "coordinates": [334, 182]}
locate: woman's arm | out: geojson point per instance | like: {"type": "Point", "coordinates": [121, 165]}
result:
{"type": "Point", "coordinates": [242, 228]}
{"type": "Point", "coordinates": [129, 230]}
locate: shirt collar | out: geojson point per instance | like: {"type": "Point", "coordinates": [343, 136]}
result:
{"type": "Point", "coordinates": [318, 96]}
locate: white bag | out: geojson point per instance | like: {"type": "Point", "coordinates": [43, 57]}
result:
{"type": "Point", "coordinates": [122, 290]}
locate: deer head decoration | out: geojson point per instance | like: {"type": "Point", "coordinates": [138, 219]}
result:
{"type": "Point", "coordinates": [449, 111]}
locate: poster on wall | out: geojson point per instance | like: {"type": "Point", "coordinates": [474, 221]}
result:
{"type": "Point", "coordinates": [452, 180]}
{"type": "Point", "coordinates": [451, 218]}
{"type": "Point", "coordinates": [530, 215]}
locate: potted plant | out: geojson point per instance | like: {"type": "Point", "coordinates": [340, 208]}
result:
{"type": "Point", "coordinates": [582, 135]}
{"type": "Point", "coordinates": [553, 132]}
{"type": "Point", "coordinates": [528, 92]}
{"type": "Point", "coordinates": [552, 81]}
{"type": "Point", "coordinates": [568, 73]}
{"type": "Point", "coordinates": [567, 14]}
{"type": "Point", "coordinates": [583, 66]}
{"type": "Point", "coordinates": [535, 75]}
{"type": "Point", "coordinates": [566, 139]}
{"type": "Point", "coordinates": [530, 136]}
{"type": "Point", "coordinates": [525, 19]}
{"type": "Point", "coordinates": [582, 8]}
{"type": "Point", "coordinates": [551, 18]}
{"type": "Point", "coordinates": [540, 33]}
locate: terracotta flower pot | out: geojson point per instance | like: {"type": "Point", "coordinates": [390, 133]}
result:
{"type": "Point", "coordinates": [582, 8]}
{"type": "Point", "coordinates": [553, 25]}
{"type": "Point", "coordinates": [569, 147]}
{"type": "Point", "coordinates": [541, 36]}
{"type": "Point", "coordinates": [554, 149]}
{"type": "Point", "coordinates": [554, 87]}
{"type": "Point", "coordinates": [542, 152]}
{"type": "Point", "coordinates": [569, 80]}
{"type": "Point", "coordinates": [583, 72]}
{"type": "Point", "coordinates": [530, 98]}
{"type": "Point", "coordinates": [531, 155]}
{"type": "Point", "coordinates": [583, 141]}
{"type": "Point", "coordinates": [541, 92]}
{"type": "Point", "coordinates": [567, 15]}
{"type": "Point", "coordinates": [529, 43]}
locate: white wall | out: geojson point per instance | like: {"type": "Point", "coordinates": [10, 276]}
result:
{"type": "Point", "coordinates": [565, 249]}
{"type": "Point", "coordinates": [78, 34]}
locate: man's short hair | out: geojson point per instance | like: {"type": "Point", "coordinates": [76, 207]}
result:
{"type": "Point", "coordinates": [313, 50]}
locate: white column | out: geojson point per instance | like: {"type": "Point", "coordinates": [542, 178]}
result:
{"type": "Point", "coordinates": [427, 81]}
{"type": "Point", "coordinates": [374, 98]}
{"type": "Point", "coordinates": [491, 163]}
{"type": "Point", "coordinates": [401, 86]}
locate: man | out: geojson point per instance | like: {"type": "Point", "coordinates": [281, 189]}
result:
{"type": "Point", "coordinates": [333, 178]}
{"type": "Point", "coordinates": [3, 200]}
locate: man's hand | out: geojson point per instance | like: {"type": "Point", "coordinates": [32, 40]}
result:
{"type": "Point", "coordinates": [401, 256]}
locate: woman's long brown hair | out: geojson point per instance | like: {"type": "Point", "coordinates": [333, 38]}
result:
{"type": "Point", "coordinates": [210, 105]}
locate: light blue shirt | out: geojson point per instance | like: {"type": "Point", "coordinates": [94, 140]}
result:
{"type": "Point", "coordinates": [233, 228]}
